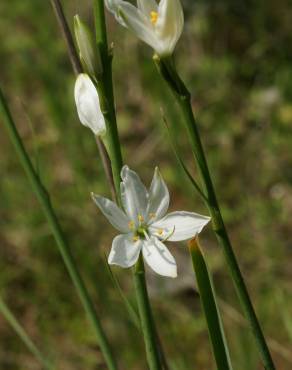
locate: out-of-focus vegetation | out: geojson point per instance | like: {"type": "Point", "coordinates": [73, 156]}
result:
{"type": "Point", "coordinates": [236, 57]}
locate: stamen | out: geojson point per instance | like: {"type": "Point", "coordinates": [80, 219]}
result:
{"type": "Point", "coordinates": [131, 225]}
{"type": "Point", "coordinates": [152, 215]}
{"type": "Point", "coordinates": [140, 218]}
{"type": "Point", "coordinates": [160, 231]}
{"type": "Point", "coordinates": [153, 17]}
{"type": "Point", "coordinates": [169, 235]}
{"type": "Point", "coordinates": [135, 238]}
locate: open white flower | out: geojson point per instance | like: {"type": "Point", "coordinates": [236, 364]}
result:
{"type": "Point", "coordinates": [159, 25]}
{"type": "Point", "coordinates": [88, 105]}
{"type": "Point", "coordinates": [144, 224]}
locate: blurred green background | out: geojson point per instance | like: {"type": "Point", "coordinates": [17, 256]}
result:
{"type": "Point", "coordinates": [236, 57]}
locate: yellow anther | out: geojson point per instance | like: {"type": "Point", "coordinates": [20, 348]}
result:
{"type": "Point", "coordinates": [153, 17]}
{"type": "Point", "coordinates": [152, 215]}
{"type": "Point", "coordinates": [135, 238]}
{"type": "Point", "coordinates": [140, 218]}
{"type": "Point", "coordinates": [131, 225]}
{"type": "Point", "coordinates": [160, 231]}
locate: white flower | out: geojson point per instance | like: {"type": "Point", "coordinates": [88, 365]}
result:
{"type": "Point", "coordinates": [88, 105]}
{"type": "Point", "coordinates": [144, 225]}
{"type": "Point", "coordinates": [160, 26]}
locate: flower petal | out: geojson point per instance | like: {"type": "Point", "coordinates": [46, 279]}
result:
{"type": "Point", "coordinates": [88, 106]}
{"type": "Point", "coordinates": [147, 6]}
{"type": "Point", "coordinates": [113, 213]}
{"type": "Point", "coordinates": [139, 24]}
{"type": "Point", "coordinates": [179, 226]}
{"type": "Point", "coordinates": [125, 251]}
{"type": "Point", "coordinates": [169, 25]}
{"type": "Point", "coordinates": [134, 195]}
{"type": "Point", "coordinates": [158, 257]}
{"type": "Point", "coordinates": [158, 202]}
{"type": "Point", "coordinates": [113, 7]}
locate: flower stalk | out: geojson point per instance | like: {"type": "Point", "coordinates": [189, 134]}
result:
{"type": "Point", "coordinates": [106, 93]}
{"type": "Point", "coordinates": [147, 322]}
{"type": "Point", "coordinates": [112, 142]}
{"type": "Point", "coordinates": [182, 96]}
{"type": "Point", "coordinates": [45, 202]}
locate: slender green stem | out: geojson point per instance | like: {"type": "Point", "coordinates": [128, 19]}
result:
{"type": "Point", "coordinates": [183, 98]}
{"type": "Point", "coordinates": [106, 92]}
{"type": "Point", "coordinates": [209, 305]}
{"type": "Point", "coordinates": [6, 312]}
{"type": "Point", "coordinates": [147, 323]}
{"type": "Point", "coordinates": [57, 231]}
{"type": "Point", "coordinates": [77, 68]}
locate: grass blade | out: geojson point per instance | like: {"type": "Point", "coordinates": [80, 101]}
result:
{"type": "Point", "coordinates": [209, 305]}
{"type": "Point", "coordinates": [8, 315]}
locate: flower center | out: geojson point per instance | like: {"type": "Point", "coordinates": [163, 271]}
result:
{"type": "Point", "coordinates": [153, 17]}
{"type": "Point", "coordinates": [140, 233]}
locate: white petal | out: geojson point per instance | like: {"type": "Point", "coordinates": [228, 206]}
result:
{"type": "Point", "coordinates": [134, 194]}
{"type": "Point", "coordinates": [113, 7]}
{"type": "Point", "coordinates": [147, 6]}
{"type": "Point", "coordinates": [179, 226]}
{"type": "Point", "coordinates": [158, 257]}
{"type": "Point", "coordinates": [124, 251]}
{"type": "Point", "coordinates": [113, 213]}
{"type": "Point", "coordinates": [139, 24]}
{"type": "Point", "coordinates": [88, 106]}
{"type": "Point", "coordinates": [169, 25]}
{"type": "Point", "coordinates": [158, 198]}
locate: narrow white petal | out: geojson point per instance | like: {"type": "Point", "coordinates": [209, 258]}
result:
{"type": "Point", "coordinates": [113, 213]}
{"type": "Point", "coordinates": [113, 7]}
{"type": "Point", "coordinates": [125, 251]}
{"type": "Point", "coordinates": [169, 25]}
{"type": "Point", "coordinates": [88, 105]}
{"type": "Point", "coordinates": [158, 257]}
{"type": "Point", "coordinates": [158, 198]}
{"type": "Point", "coordinates": [147, 6]}
{"type": "Point", "coordinates": [179, 226]}
{"type": "Point", "coordinates": [139, 24]}
{"type": "Point", "coordinates": [134, 194]}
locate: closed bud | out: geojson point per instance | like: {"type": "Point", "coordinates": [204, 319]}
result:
{"type": "Point", "coordinates": [88, 51]}
{"type": "Point", "coordinates": [88, 105]}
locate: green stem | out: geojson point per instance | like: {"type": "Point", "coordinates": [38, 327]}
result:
{"type": "Point", "coordinates": [43, 198]}
{"type": "Point", "coordinates": [209, 305]}
{"type": "Point", "coordinates": [4, 309]}
{"type": "Point", "coordinates": [183, 99]}
{"type": "Point", "coordinates": [145, 313]}
{"type": "Point", "coordinates": [106, 91]}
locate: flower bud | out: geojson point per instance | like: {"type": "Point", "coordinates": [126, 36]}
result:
{"type": "Point", "coordinates": [88, 105]}
{"type": "Point", "coordinates": [88, 51]}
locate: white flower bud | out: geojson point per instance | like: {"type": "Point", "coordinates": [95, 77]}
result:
{"type": "Point", "coordinates": [88, 105]}
{"type": "Point", "coordinates": [88, 51]}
